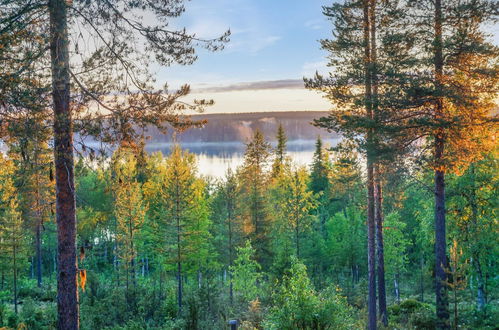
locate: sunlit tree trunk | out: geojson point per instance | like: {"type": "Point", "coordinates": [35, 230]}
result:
{"type": "Point", "coordinates": [67, 293]}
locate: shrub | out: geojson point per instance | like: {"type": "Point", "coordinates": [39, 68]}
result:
{"type": "Point", "coordinates": [413, 314]}
{"type": "Point", "coordinates": [298, 306]}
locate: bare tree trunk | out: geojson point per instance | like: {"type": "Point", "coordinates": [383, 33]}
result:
{"type": "Point", "coordinates": [371, 248]}
{"type": "Point", "coordinates": [15, 277]}
{"type": "Point", "coordinates": [297, 234]}
{"type": "Point", "coordinates": [38, 242]}
{"type": "Point", "coordinates": [455, 308]}
{"type": "Point", "coordinates": [179, 269]}
{"type": "Point", "coordinates": [421, 279]}
{"type": "Point", "coordinates": [481, 299]}
{"type": "Point", "coordinates": [441, 294]}
{"type": "Point", "coordinates": [229, 222]}
{"type": "Point", "coordinates": [396, 286]}
{"type": "Point", "coordinates": [383, 313]}
{"type": "Point", "coordinates": [67, 292]}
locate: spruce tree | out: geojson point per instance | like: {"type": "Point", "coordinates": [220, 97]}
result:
{"type": "Point", "coordinates": [254, 179]}
{"type": "Point", "coordinates": [280, 152]}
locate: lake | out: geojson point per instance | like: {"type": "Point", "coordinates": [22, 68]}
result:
{"type": "Point", "coordinates": [214, 158]}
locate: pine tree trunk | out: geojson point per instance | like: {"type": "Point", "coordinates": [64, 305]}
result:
{"type": "Point", "coordinates": [383, 313]}
{"type": "Point", "coordinates": [442, 302]}
{"type": "Point", "coordinates": [371, 248]}
{"type": "Point", "coordinates": [67, 293]}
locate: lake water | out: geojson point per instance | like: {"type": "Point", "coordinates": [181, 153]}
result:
{"type": "Point", "coordinates": [214, 158]}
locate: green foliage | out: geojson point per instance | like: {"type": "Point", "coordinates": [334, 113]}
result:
{"type": "Point", "coordinates": [298, 306]}
{"type": "Point", "coordinates": [395, 244]}
{"type": "Point", "coordinates": [168, 197]}
{"type": "Point", "coordinates": [412, 314]}
{"type": "Point", "coordinates": [246, 273]}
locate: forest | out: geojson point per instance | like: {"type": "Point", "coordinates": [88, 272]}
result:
{"type": "Point", "coordinates": [396, 227]}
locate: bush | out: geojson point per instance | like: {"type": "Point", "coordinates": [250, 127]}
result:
{"type": "Point", "coordinates": [413, 314]}
{"type": "Point", "coordinates": [298, 306]}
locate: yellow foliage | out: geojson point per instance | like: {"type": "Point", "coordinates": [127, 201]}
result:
{"type": "Point", "coordinates": [83, 279]}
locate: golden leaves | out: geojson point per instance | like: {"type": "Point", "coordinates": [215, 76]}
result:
{"type": "Point", "coordinates": [83, 279]}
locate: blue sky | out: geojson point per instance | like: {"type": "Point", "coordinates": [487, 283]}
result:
{"type": "Point", "coordinates": [271, 40]}
{"type": "Point", "coordinates": [274, 44]}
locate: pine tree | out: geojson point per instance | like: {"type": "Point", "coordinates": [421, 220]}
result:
{"type": "Point", "coordinates": [354, 58]}
{"type": "Point", "coordinates": [456, 88]}
{"type": "Point", "coordinates": [117, 63]}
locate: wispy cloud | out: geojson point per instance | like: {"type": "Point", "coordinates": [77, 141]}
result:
{"type": "Point", "coordinates": [249, 33]}
{"type": "Point", "coordinates": [253, 43]}
{"type": "Point", "coordinates": [314, 24]}
{"type": "Point", "coordinates": [256, 85]}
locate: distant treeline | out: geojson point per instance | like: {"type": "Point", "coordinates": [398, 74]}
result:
{"type": "Point", "coordinates": [241, 127]}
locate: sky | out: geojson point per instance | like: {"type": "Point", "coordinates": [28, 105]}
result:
{"type": "Point", "coordinates": [274, 44]}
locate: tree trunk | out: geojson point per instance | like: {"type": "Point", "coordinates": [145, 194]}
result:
{"type": "Point", "coordinates": [455, 308]}
{"type": "Point", "coordinates": [67, 292]}
{"type": "Point", "coordinates": [396, 286]}
{"type": "Point", "coordinates": [297, 234]}
{"type": "Point", "coordinates": [15, 277]}
{"type": "Point", "coordinates": [371, 249]}
{"type": "Point", "coordinates": [383, 313]}
{"type": "Point", "coordinates": [38, 242]}
{"type": "Point", "coordinates": [421, 279]}
{"type": "Point", "coordinates": [179, 270]}
{"type": "Point", "coordinates": [480, 297]}
{"type": "Point", "coordinates": [442, 302]}
{"type": "Point", "coordinates": [229, 223]}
